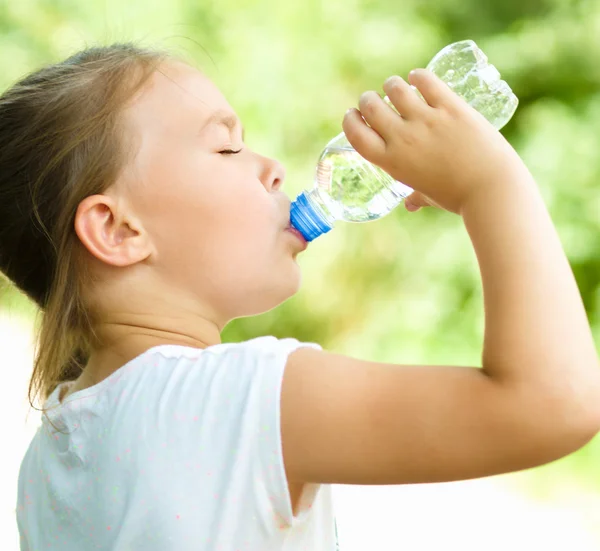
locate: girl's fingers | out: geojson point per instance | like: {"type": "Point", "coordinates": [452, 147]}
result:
{"type": "Point", "coordinates": [435, 91]}
{"type": "Point", "coordinates": [416, 200]}
{"type": "Point", "coordinates": [365, 140]}
{"type": "Point", "coordinates": [404, 98]}
{"type": "Point", "coordinates": [379, 115]}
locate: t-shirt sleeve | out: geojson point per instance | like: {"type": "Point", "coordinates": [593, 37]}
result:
{"type": "Point", "coordinates": [269, 453]}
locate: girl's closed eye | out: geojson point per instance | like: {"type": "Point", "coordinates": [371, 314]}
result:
{"type": "Point", "coordinates": [229, 152]}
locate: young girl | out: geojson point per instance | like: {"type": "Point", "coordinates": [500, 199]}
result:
{"type": "Point", "coordinates": [137, 219]}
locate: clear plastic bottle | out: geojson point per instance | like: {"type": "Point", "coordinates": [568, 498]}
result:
{"type": "Point", "coordinates": [348, 187]}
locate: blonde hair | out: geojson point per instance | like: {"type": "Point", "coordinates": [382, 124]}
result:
{"type": "Point", "coordinates": [61, 140]}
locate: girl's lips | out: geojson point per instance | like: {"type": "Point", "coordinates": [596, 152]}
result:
{"type": "Point", "coordinates": [300, 237]}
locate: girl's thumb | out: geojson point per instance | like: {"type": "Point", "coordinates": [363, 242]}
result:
{"type": "Point", "coordinates": [416, 200]}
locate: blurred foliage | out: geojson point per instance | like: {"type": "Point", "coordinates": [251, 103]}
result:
{"type": "Point", "coordinates": [405, 288]}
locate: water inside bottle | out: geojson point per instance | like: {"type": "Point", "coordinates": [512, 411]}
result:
{"type": "Point", "coordinates": [354, 189]}
{"type": "Point", "coordinates": [466, 69]}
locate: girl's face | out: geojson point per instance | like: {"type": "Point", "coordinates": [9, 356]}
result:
{"type": "Point", "coordinates": [213, 208]}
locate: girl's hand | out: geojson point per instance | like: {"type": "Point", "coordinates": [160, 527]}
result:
{"type": "Point", "coordinates": [442, 148]}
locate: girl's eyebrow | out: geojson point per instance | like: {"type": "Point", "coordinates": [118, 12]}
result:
{"type": "Point", "coordinates": [224, 118]}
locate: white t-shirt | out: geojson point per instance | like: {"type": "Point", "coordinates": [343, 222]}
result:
{"type": "Point", "coordinates": [178, 450]}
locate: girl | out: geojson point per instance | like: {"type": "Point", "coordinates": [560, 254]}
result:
{"type": "Point", "coordinates": [133, 214]}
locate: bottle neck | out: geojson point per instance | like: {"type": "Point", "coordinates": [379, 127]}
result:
{"type": "Point", "coordinates": [307, 216]}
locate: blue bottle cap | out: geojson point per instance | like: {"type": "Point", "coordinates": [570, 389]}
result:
{"type": "Point", "coordinates": [306, 219]}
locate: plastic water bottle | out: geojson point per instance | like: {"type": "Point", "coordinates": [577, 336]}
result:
{"type": "Point", "coordinates": [348, 187]}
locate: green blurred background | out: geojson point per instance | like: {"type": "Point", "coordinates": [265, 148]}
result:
{"type": "Point", "coordinates": [405, 288]}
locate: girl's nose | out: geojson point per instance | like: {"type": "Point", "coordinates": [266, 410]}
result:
{"type": "Point", "coordinates": [273, 174]}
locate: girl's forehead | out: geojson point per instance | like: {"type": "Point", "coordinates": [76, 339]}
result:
{"type": "Point", "coordinates": [180, 90]}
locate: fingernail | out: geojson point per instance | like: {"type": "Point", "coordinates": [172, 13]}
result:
{"type": "Point", "coordinates": [394, 78]}
{"type": "Point", "coordinates": [413, 74]}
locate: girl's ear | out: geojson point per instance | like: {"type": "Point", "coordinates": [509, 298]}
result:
{"type": "Point", "coordinates": [109, 233]}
